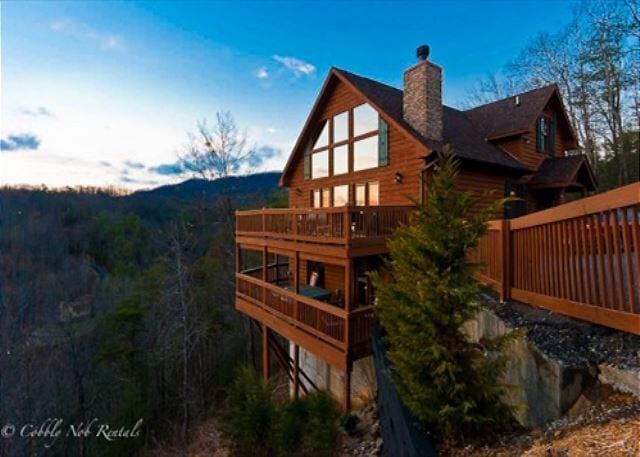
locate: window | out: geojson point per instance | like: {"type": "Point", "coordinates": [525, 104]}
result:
{"type": "Point", "coordinates": [336, 151]}
{"type": "Point", "coordinates": [361, 195]}
{"type": "Point", "coordinates": [326, 197]}
{"type": "Point", "coordinates": [365, 120]}
{"type": "Point", "coordinates": [316, 201]}
{"type": "Point", "coordinates": [365, 153]}
{"type": "Point", "coordinates": [340, 159]}
{"type": "Point", "coordinates": [321, 198]}
{"type": "Point", "coordinates": [545, 134]}
{"type": "Point", "coordinates": [374, 193]}
{"type": "Point", "coordinates": [341, 195]}
{"type": "Point", "coordinates": [320, 164]}
{"type": "Point", "coordinates": [341, 127]}
{"type": "Point", "coordinates": [323, 138]}
{"type": "Point", "coordinates": [367, 194]}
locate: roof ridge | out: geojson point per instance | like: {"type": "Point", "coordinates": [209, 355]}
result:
{"type": "Point", "coordinates": [341, 70]}
{"type": "Point", "coordinates": [536, 89]}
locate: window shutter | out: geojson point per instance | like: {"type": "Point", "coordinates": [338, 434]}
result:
{"type": "Point", "coordinates": [552, 135]}
{"type": "Point", "coordinates": [539, 135]}
{"type": "Point", "coordinates": [383, 142]}
{"type": "Point", "coordinates": [307, 166]}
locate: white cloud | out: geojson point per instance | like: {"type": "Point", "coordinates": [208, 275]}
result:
{"type": "Point", "coordinates": [271, 130]}
{"type": "Point", "coordinates": [262, 73]}
{"type": "Point", "coordinates": [38, 111]}
{"type": "Point", "coordinates": [295, 65]}
{"type": "Point", "coordinates": [84, 32]}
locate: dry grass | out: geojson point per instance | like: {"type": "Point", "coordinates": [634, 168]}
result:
{"type": "Point", "coordinates": [603, 423]}
{"type": "Point", "coordinates": [205, 442]}
{"type": "Point", "coordinates": [615, 439]}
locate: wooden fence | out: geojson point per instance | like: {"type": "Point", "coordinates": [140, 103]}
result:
{"type": "Point", "coordinates": [581, 259]}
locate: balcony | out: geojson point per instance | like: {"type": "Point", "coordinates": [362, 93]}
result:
{"type": "Point", "coordinates": [330, 315]}
{"type": "Point", "coordinates": [345, 231]}
{"type": "Point", "coordinates": [302, 274]}
{"type": "Point", "coordinates": [320, 326]}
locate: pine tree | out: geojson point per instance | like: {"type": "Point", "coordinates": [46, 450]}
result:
{"type": "Point", "coordinates": [428, 294]}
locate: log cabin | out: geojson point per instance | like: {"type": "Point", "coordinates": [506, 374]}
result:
{"type": "Point", "coordinates": [357, 168]}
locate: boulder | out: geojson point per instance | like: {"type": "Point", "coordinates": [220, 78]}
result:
{"type": "Point", "coordinates": [540, 388]}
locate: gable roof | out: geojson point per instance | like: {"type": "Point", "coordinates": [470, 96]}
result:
{"type": "Point", "coordinates": [381, 96]}
{"type": "Point", "coordinates": [504, 118]}
{"type": "Point", "coordinates": [564, 171]}
{"type": "Point", "coordinates": [468, 132]}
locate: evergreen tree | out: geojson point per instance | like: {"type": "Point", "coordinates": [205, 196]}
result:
{"type": "Point", "coordinates": [428, 294]}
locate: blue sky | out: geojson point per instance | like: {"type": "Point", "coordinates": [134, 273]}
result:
{"type": "Point", "coordinates": [88, 89]}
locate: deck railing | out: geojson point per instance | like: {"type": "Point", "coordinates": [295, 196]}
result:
{"type": "Point", "coordinates": [580, 259]}
{"type": "Point", "coordinates": [342, 225]}
{"type": "Point", "coordinates": [320, 319]}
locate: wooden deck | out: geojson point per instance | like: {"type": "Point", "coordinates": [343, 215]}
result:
{"type": "Point", "coordinates": [330, 332]}
{"type": "Point", "coordinates": [331, 235]}
{"type": "Point", "coordinates": [337, 330]}
{"type": "Point", "coordinates": [581, 259]}
{"type": "Point", "coordinates": [342, 232]}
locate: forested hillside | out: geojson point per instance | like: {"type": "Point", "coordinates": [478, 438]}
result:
{"type": "Point", "coordinates": [119, 307]}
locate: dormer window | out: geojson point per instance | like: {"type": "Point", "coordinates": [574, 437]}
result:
{"type": "Point", "coordinates": [545, 134]}
{"type": "Point", "coordinates": [350, 141]}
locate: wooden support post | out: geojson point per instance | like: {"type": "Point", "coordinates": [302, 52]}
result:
{"type": "Point", "coordinates": [266, 359]}
{"type": "Point", "coordinates": [296, 370]}
{"type": "Point", "coordinates": [346, 224]}
{"type": "Point", "coordinates": [296, 284]}
{"type": "Point", "coordinates": [348, 298]}
{"type": "Point", "coordinates": [296, 273]}
{"type": "Point", "coordinates": [265, 257]}
{"type": "Point", "coordinates": [348, 285]}
{"type": "Point", "coordinates": [347, 387]}
{"type": "Point", "coordinates": [505, 286]}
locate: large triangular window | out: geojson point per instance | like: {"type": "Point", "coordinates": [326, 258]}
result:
{"type": "Point", "coordinates": [350, 141]}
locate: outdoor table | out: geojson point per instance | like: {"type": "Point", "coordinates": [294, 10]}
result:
{"type": "Point", "coordinates": [317, 293]}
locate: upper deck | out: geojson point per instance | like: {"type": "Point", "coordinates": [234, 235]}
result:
{"type": "Point", "coordinates": [345, 232]}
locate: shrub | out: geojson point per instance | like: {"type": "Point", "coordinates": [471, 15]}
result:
{"type": "Point", "coordinates": [258, 426]}
{"type": "Point", "coordinates": [290, 425]}
{"type": "Point", "coordinates": [321, 430]}
{"type": "Point", "coordinates": [249, 416]}
{"type": "Point", "coordinates": [447, 381]}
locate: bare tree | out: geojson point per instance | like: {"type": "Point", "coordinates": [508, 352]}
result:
{"type": "Point", "coordinates": [217, 151]}
{"type": "Point", "coordinates": [595, 63]}
{"type": "Point", "coordinates": [494, 86]}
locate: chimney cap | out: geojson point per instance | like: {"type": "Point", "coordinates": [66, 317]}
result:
{"type": "Point", "coordinates": [422, 53]}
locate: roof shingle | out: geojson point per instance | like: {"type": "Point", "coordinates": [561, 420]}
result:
{"type": "Point", "coordinates": [561, 171]}
{"type": "Point", "coordinates": [505, 116]}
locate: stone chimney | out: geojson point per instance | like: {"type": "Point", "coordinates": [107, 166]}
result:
{"type": "Point", "coordinates": [422, 97]}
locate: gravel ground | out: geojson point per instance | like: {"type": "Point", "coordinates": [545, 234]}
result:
{"type": "Point", "coordinates": [569, 340]}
